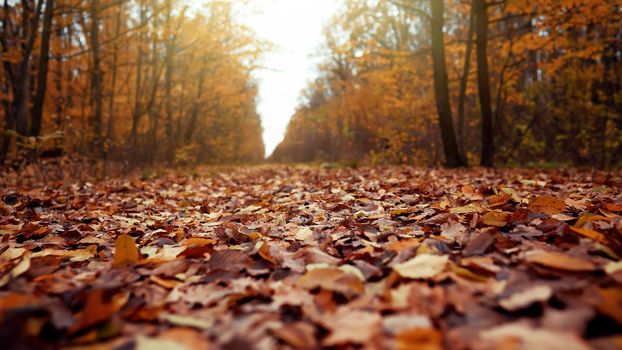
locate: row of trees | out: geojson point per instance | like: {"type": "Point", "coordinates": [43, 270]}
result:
{"type": "Point", "coordinates": [466, 81]}
{"type": "Point", "coordinates": [133, 80]}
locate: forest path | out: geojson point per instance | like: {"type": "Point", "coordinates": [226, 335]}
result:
{"type": "Point", "coordinates": [300, 257]}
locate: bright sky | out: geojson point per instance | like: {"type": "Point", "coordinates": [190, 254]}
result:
{"type": "Point", "coordinates": [295, 27]}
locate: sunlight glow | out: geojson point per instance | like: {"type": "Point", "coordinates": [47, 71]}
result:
{"type": "Point", "coordinates": [295, 27]}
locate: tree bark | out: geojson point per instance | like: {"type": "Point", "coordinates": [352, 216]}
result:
{"type": "Point", "coordinates": [453, 157]}
{"type": "Point", "coordinates": [483, 83]}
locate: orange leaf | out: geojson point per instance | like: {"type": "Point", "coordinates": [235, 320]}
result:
{"type": "Point", "coordinates": [586, 232]}
{"type": "Point", "coordinates": [493, 218]}
{"type": "Point", "coordinates": [126, 252]}
{"type": "Point", "coordinates": [559, 261]}
{"type": "Point", "coordinates": [614, 207]}
{"type": "Point", "coordinates": [419, 338]}
{"type": "Point", "coordinates": [197, 241]}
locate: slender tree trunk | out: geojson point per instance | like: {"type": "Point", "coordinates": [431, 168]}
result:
{"type": "Point", "coordinates": [464, 81]}
{"type": "Point", "coordinates": [168, 83]}
{"type": "Point", "coordinates": [21, 87]}
{"type": "Point", "coordinates": [453, 157]}
{"type": "Point", "coordinates": [96, 84]}
{"type": "Point", "coordinates": [195, 109]}
{"type": "Point", "coordinates": [111, 103]}
{"type": "Point", "coordinates": [139, 69]}
{"type": "Point", "coordinates": [483, 83]}
{"type": "Point", "coordinates": [42, 74]}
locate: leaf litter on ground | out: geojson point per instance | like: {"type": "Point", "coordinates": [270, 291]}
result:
{"type": "Point", "coordinates": [304, 257]}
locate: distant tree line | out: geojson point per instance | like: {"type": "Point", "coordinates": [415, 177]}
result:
{"type": "Point", "coordinates": [485, 82]}
{"type": "Point", "coordinates": [138, 81]}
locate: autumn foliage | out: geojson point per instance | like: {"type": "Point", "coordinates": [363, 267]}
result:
{"type": "Point", "coordinates": [528, 82]}
{"type": "Point", "coordinates": [143, 82]}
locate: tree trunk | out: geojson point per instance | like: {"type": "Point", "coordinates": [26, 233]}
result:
{"type": "Point", "coordinates": [483, 82]}
{"type": "Point", "coordinates": [113, 86]}
{"type": "Point", "coordinates": [195, 109]}
{"type": "Point", "coordinates": [139, 68]}
{"type": "Point", "coordinates": [22, 82]}
{"type": "Point", "coordinates": [464, 80]}
{"type": "Point", "coordinates": [441, 88]}
{"type": "Point", "coordinates": [96, 84]}
{"type": "Point", "coordinates": [168, 83]}
{"type": "Point", "coordinates": [42, 74]}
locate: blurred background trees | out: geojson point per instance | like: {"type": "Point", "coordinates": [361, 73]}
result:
{"type": "Point", "coordinates": [426, 82]}
{"type": "Point", "coordinates": [137, 81]}
{"type": "Point", "coordinates": [529, 82]}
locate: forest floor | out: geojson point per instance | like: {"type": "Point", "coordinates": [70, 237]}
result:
{"type": "Point", "coordinates": [302, 257]}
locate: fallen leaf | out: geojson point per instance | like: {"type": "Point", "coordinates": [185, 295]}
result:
{"type": "Point", "coordinates": [187, 321]}
{"type": "Point", "coordinates": [332, 279]}
{"type": "Point", "coordinates": [422, 266]}
{"type": "Point", "coordinates": [526, 297]}
{"type": "Point", "coordinates": [547, 205]}
{"type": "Point", "coordinates": [591, 234]}
{"type": "Point", "coordinates": [299, 335]}
{"type": "Point", "coordinates": [98, 308]}
{"type": "Point", "coordinates": [525, 337]}
{"type": "Point", "coordinates": [494, 218]}
{"type": "Point", "coordinates": [303, 234]}
{"type": "Point", "coordinates": [126, 252]}
{"type": "Point", "coordinates": [420, 339]}
{"type": "Point", "coordinates": [559, 261]}
{"type": "Point", "coordinates": [467, 209]}
{"type": "Point", "coordinates": [610, 303]}
{"type": "Point", "coordinates": [351, 326]}
{"type": "Point", "coordinates": [614, 207]}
